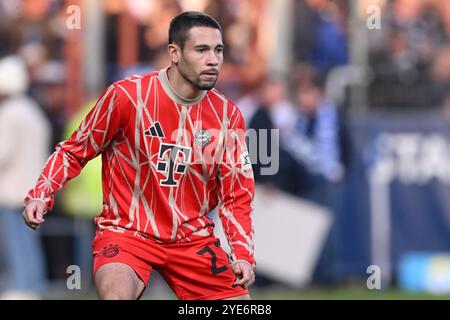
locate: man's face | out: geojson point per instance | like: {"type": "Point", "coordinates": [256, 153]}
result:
{"type": "Point", "coordinates": [201, 58]}
{"type": "Point", "coordinates": [272, 91]}
{"type": "Point", "coordinates": [308, 99]}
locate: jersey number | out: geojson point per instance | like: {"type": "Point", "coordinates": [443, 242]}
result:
{"type": "Point", "coordinates": [214, 269]}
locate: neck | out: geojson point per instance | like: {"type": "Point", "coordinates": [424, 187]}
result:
{"type": "Point", "coordinates": [181, 86]}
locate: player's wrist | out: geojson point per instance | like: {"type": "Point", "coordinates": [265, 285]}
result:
{"type": "Point", "coordinates": [28, 200]}
{"type": "Point", "coordinates": [240, 256]}
{"type": "Point", "coordinates": [243, 261]}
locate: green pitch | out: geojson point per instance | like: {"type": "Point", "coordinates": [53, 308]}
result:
{"type": "Point", "coordinates": [343, 293]}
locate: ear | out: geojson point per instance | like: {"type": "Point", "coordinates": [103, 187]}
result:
{"type": "Point", "coordinates": [174, 52]}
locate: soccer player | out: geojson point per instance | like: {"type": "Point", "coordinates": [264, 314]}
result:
{"type": "Point", "coordinates": [173, 149]}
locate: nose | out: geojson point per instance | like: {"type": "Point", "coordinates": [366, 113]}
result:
{"type": "Point", "coordinates": [213, 59]}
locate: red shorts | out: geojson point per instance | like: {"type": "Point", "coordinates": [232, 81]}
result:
{"type": "Point", "coordinates": [194, 270]}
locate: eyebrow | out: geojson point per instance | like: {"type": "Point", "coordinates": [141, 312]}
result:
{"type": "Point", "coordinates": [203, 46]}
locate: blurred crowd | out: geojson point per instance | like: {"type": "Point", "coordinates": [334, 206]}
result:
{"type": "Point", "coordinates": [410, 55]}
{"type": "Point", "coordinates": [409, 60]}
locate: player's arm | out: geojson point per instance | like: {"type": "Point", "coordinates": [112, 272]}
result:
{"type": "Point", "coordinates": [93, 135]}
{"type": "Point", "coordinates": [236, 200]}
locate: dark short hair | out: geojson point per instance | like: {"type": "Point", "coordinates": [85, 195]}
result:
{"type": "Point", "coordinates": [181, 25]}
{"type": "Point", "coordinates": [316, 81]}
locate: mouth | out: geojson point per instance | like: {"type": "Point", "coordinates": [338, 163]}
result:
{"type": "Point", "coordinates": [210, 73]}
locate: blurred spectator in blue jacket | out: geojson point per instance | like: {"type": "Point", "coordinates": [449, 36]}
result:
{"type": "Point", "coordinates": [320, 36]}
{"type": "Point", "coordinates": [316, 141]}
{"type": "Point", "coordinates": [330, 40]}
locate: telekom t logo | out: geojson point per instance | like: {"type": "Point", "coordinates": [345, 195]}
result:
{"type": "Point", "coordinates": [174, 164]}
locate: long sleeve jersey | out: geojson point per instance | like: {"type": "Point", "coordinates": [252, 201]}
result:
{"type": "Point", "coordinates": [166, 163]}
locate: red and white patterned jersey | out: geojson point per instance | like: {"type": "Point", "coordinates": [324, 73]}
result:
{"type": "Point", "coordinates": [166, 163]}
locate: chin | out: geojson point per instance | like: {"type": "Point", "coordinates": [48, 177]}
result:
{"type": "Point", "coordinates": [206, 86]}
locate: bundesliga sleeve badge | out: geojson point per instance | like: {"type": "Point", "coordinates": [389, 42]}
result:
{"type": "Point", "coordinates": [245, 161]}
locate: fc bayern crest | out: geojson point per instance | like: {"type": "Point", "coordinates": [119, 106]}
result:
{"type": "Point", "coordinates": [202, 138]}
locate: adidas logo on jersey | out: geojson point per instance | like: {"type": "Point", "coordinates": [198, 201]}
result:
{"type": "Point", "coordinates": [155, 130]}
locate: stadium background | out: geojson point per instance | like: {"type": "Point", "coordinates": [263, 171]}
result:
{"type": "Point", "coordinates": [383, 66]}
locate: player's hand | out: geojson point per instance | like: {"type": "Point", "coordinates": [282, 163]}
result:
{"type": "Point", "coordinates": [245, 276]}
{"type": "Point", "coordinates": [33, 214]}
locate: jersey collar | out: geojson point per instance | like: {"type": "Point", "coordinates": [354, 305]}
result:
{"type": "Point", "coordinates": [170, 91]}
